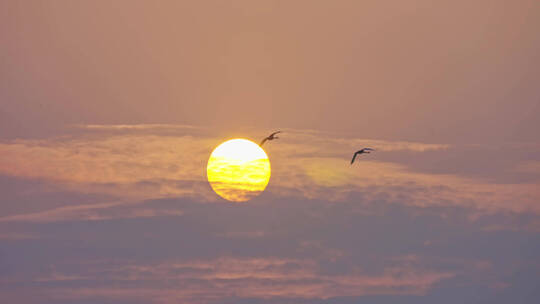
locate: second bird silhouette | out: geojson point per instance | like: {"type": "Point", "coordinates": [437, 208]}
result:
{"type": "Point", "coordinates": [365, 150]}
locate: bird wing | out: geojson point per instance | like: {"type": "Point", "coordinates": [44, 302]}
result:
{"type": "Point", "coordinates": [274, 133]}
{"type": "Point", "coordinates": [368, 149]}
{"type": "Point", "coordinates": [354, 156]}
{"type": "Point", "coordinates": [263, 141]}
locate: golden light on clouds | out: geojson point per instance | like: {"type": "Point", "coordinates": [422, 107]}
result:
{"type": "Point", "coordinates": [238, 170]}
{"type": "Point", "coordinates": [143, 162]}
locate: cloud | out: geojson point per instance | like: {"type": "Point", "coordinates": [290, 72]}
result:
{"type": "Point", "coordinates": [529, 167]}
{"type": "Point", "coordinates": [227, 277]}
{"type": "Point", "coordinates": [136, 127]}
{"type": "Point", "coordinates": [272, 250]}
{"type": "Point", "coordinates": [17, 236]}
{"type": "Point", "coordinates": [137, 166]}
{"type": "Point", "coordinates": [91, 212]}
{"type": "Point", "coordinates": [140, 166]}
{"type": "Point", "coordinates": [335, 180]}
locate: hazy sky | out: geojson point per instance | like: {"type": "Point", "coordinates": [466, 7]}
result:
{"type": "Point", "coordinates": [461, 71]}
{"type": "Point", "coordinates": [109, 111]}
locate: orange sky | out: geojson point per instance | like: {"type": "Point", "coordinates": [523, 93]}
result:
{"type": "Point", "coordinates": [454, 71]}
{"type": "Point", "coordinates": [109, 111]}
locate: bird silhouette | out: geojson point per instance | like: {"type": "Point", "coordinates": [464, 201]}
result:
{"type": "Point", "coordinates": [365, 150]}
{"type": "Point", "coordinates": [271, 137]}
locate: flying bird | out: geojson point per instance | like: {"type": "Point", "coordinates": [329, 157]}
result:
{"type": "Point", "coordinates": [271, 137]}
{"type": "Point", "coordinates": [365, 150]}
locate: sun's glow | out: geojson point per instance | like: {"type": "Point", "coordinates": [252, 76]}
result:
{"type": "Point", "coordinates": [238, 170]}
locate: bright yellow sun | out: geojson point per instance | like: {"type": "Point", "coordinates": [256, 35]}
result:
{"type": "Point", "coordinates": [238, 170]}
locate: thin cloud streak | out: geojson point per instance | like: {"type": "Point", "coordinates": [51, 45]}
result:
{"type": "Point", "coordinates": [137, 127]}
{"type": "Point", "coordinates": [91, 212]}
{"type": "Point", "coordinates": [226, 277]}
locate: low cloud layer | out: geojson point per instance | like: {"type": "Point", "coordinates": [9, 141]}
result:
{"type": "Point", "coordinates": [207, 281]}
{"type": "Point", "coordinates": [125, 214]}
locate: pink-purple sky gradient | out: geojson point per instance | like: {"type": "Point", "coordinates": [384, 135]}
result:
{"type": "Point", "coordinates": [109, 111]}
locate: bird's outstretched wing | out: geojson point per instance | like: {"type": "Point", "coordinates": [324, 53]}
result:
{"type": "Point", "coordinates": [368, 149]}
{"type": "Point", "coordinates": [354, 156]}
{"type": "Point", "coordinates": [270, 137]}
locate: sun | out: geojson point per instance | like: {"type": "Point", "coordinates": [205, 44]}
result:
{"type": "Point", "coordinates": [238, 170]}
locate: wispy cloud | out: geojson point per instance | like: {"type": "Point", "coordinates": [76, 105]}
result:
{"type": "Point", "coordinates": [92, 212]}
{"type": "Point", "coordinates": [17, 236]}
{"type": "Point", "coordinates": [137, 127]}
{"type": "Point", "coordinates": [529, 167]}
{"type": "Point", "coordinates": [262, 278]}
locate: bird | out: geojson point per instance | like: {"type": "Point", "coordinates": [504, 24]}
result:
{"type": "Point", "coordinates": [271, 137]}
{"type": "Point", "coordinates": [365, 150]}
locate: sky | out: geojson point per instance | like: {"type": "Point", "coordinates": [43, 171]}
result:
{"type": "Point", "coordinates": [109, 111]}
